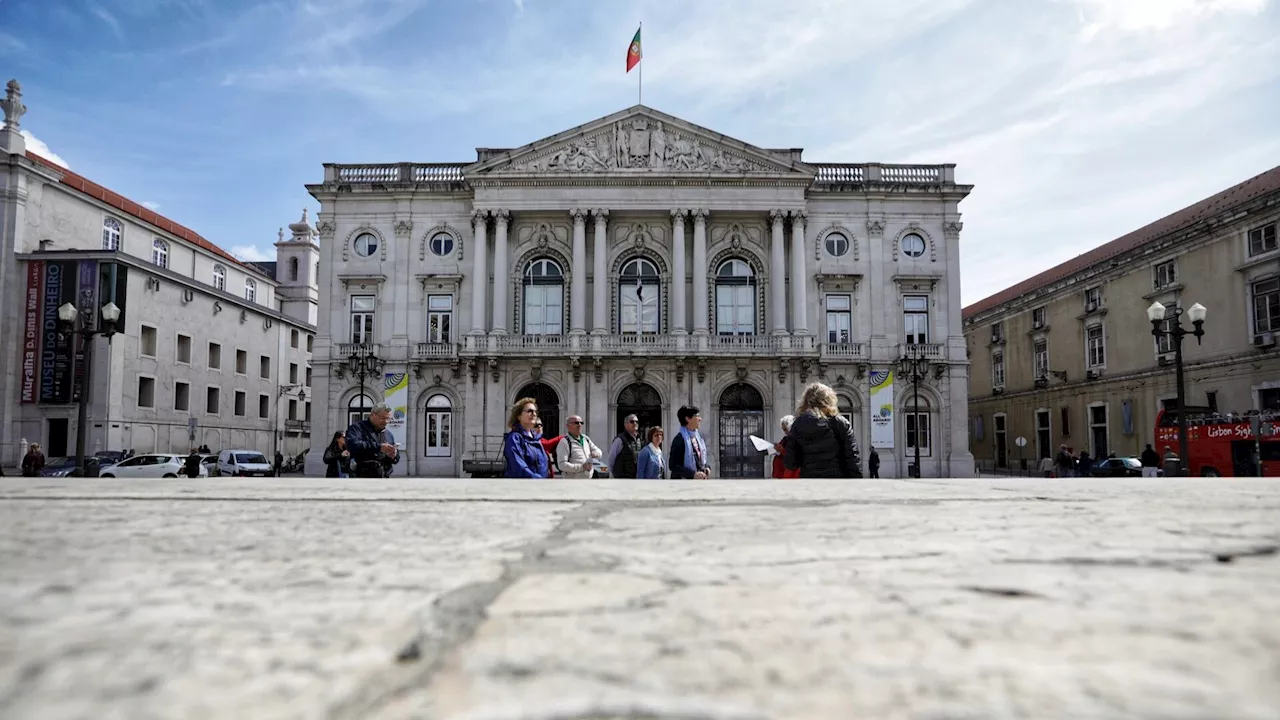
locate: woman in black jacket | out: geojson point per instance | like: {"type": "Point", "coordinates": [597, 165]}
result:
{"type": "Point", "coordinates": [337, 458]}
{"type": "Point", "coordinates": [820, 443]}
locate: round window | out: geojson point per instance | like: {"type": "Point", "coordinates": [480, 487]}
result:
{"type": "Point", "coordinates": [837, 244]}
{"type": "Point", "coordinates": [442, 244]}
{"type": "Point", "coordinates": [366, 244]}
{"type": "Point", "coordinates": [913, 245]}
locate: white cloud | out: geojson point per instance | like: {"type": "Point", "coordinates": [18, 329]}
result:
{"type": "Point", "coordinates": [252, 253]}
{"type": "Point", "coordinates": [37, 146]}
{"type": "Point", "coordinates": [152, 206]}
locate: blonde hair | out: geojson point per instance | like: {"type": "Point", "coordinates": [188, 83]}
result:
{"type": "Point", "coordinates": [819, 399]}
{"type": "Point", "coordinates": [518, 409]}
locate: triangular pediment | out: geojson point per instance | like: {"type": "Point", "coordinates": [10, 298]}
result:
{"type": "Point", "coordinates": [639, 140]}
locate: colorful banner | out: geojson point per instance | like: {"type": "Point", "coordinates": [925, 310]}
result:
{"type": "Point", "coordinates": [881, 407]}
{"type": "Point", "coordinates": [31, 332]}
{"type": "Point", "coordinates": [56, 353]}
{"type": "Point", "coordinates": [87, 303]}
{"type": "Point", "coordinates": [397, 396]}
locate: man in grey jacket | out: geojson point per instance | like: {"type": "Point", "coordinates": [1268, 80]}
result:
{"type": "Point", "coordinates": [575, 451]}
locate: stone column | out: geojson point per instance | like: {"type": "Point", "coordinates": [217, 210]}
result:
{"type": "Point", "coordinates": [777, 274]}
{"type": "Point", "coordinates": [679, 276]}
{"type": "Point", "coordinates": [600, 276]}
{"type": "Point", "coordinates": [578, 286]}
{"type": "Point", "coordinates": [799, 276]}
{"type": "Point", "coordinates": [501, 291]}
{"type": "Point", "coordinates": [700, 271]}
{"type": "Point", "coordinates": [480, 271]}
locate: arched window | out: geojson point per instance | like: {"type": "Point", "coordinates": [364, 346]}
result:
{"type": "Point", "coordinates": [293, 269]}
{"type": "Point", "coordinates": [160, 253]}
{"type": "Point", "coordinates": [543, 298]}
{"type": "Point", "coordinates": [439, 427]}
{"type": "Point", "coordinates": [112, 231]}
{"type": "Point", "coordinates": [219, 277]}
{"type": "Point", "coordinates": [735, 298]}
{"type": "Point", "coordinates": [639, 291]}
{"type": "Point", "coordinates": [358, 408]}
{"type": "Point", "coordinates": [250, 290]}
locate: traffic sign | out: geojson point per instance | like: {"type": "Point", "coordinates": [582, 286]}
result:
{"type": "Point", "coordinates": [1020, 442]}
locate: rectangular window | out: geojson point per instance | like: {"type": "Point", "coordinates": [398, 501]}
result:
{"type": "Point", "coordinates": [839, 319]}
{"type": "Point", "coordinates": [147, 341]}
{"type": "Point", "coordinates": [735, 309]}
{"type": "Point", "coordinates": [264, 367]}
{"type": "Point", "coordinates": [638, 306]}
{"type": "Point", "coordinates": [264, 406]}
{"type": "Point", "coordinates": [310, 342]}
{"type": "Point", "coordinates": [1095, 347]}
{"type": "Point", "coordinates": [915, 313]}
{"type": "Point", "coordinates": [1262, 239]}
{"type": "Point", "coordinates": [293, 339]}
{"type": "Point", "coordinates": [1211, 400]}
{"type": "Point", "coordinates": [308, 376]}
{"type": "Point", "coordinates": [997, 332]}
{"type": "Point", "coordinates": [440, 319]}
{"type": "Point", "coordinates": [1098, 430]}
{"type": "Point", "coordinates": [1269, 400]}
{"type": "Point", "coordinates": [1065, 421]}
{"type": "Point", "coordinates": [293, 373]}
{"type": "Point", "coordinates": [997, 370]}
{"type": "Point", "coordinates": [215, 356]}
{"type": "Point", "coordinates": [1038, 318]}
{"type": "Point", "coordinates": [1042, 358]}
{"type": "Point", "coordinates": [917, 428]}
{"type": "Point", "coordinates": [1092, 299]}
{"type": "Point", "coordinates": [1266, 306]}
{"type": "Point", "coordinates": [181, 396]}
{"type": "Point", "coordinates": [240, 401]}
{"type": "Point", "coordinates": [362, 309]}
{"type": "Point", "coordinates": [1164, 343]}
{"type": "Point", "coordinates": [293, 409]}
{"type": "Point", "coordinates": [242, 362]}
{"type": "Point", "coordinates": [212, 400]}
{"type": "Point", "coordinates": [306, 412]}
{"type": "Point", "coordinates": [184, 349]}
{"type": "Point", "coordinates": [1166, 274]}
{"type": "Point", "coordinates": [146, 392]}
{"type": "Point", "coordinates": [1044, 435]}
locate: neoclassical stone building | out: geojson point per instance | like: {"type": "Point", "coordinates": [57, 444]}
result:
{"type": "Point", "coordinates": [638, 263]}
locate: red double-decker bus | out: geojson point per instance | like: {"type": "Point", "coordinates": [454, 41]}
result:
{"type": "Point", "coordinates": [1222, 444]}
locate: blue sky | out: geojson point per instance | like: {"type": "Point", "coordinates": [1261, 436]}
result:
{"type": "Point", "coordinates": [1077, 120]}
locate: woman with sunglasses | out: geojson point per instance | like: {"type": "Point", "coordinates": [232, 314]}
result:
{"type": "Point", "coordinates": [522, 446]}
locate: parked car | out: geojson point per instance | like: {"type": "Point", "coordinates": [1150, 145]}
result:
{"type": "Point", "coordinates": [1117, 467]}
{"type": "Point", "coordinates": [244, 463]}
{"type": "Point", "coordinates": [150, 465]}
{"type": "Point", "coordinates": [58, 467]}
{"type": "Point", "coordinates": [210, 463]}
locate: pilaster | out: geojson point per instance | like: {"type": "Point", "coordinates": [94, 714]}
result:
{"type": "Point", "coordinates": [501, 290]}
{"type": "Point", "coordinates": [777, 275]}
{"type": "Point", "coordinates": [480, 270]}
{"type": "Point", "coordinates": [578, 280]}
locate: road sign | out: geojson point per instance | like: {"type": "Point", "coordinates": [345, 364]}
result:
{"type": "Point", "coordinates": [1020, 442]}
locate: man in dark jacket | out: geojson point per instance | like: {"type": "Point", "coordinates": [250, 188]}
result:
{"type": "Point", "coordinates": [625, 449]}
{"type": "Point", "coordinates": [873, 463]}
{"type": "Point", "coordinates": [367, 445]}
{"type": "Point", "coordinates": [192, 465]}
{"type": "Point", "coordinates": [1150, 462]}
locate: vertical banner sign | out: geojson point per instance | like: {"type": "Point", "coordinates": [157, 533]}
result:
{"type": "Point", "coordinates": [55, 355]}
{"type": "Point", "coordinates": [87, 303]}
{"type": "Point", "coordinates": [881, 408]}
{"type": "Point", "coordinates": [397, 397]}
{"type": "Point", "coordinates": [31, 332]}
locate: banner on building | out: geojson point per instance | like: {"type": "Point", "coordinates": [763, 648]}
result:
{"type": "Point", "coordinates": [397, 397]}
{"type": "Point", "coordinates": [56, 348]}
{"type": "Point", "coordinates": [31, 332]}
{"type": "Point", "coordinates": [881, 408]}
{"type": "Point", "coordinates": [87, 304]}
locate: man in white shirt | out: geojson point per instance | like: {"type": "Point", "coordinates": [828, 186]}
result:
{"type": "Point", "coordinates": [575, 451]}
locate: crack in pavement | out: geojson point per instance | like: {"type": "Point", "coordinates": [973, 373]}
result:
{"type": "Point", "coordinates": [1183, 564]}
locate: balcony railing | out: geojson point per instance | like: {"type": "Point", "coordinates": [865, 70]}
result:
{"type": "Point", "coordinates": [529, 342]}
{"type": "Point", "coordinates": [844, 351]}
{"type": "Point", "coordinates": [351, 349]}
{"type": "Point", "coordinates": [649, 344]}
{"type": "Point", "coordinates": [851, 174]}
{"type": "Point", "coordinates": [436, 350]}
{"type": "Point", "coordinates": [395, 173]}
{"type": "Point", "coordinates": [298, 426]}
{"type": "Point", "coordinates": [932, 351]}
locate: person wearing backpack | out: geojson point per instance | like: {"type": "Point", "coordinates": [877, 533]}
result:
{"type": "Point", "coordinates": [576, 451]}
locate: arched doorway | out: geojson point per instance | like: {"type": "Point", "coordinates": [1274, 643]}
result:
{"type": "Point", "coordinates": [548, 406]}
{"type": "Point", "coordinates": [741, 415]}
{"type": "Point", "coordinates": [641, 400]}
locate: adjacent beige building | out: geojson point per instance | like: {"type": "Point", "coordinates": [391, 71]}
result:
{"type": "Point", "coordinates": [1067, 357]}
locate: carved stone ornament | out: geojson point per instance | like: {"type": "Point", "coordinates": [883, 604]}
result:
{"type": "Point", "coordinates": [952, 228]}
{"type": "Point", "coordinates": [741, 372]}
{"type": "Point", "coordinates": [12, 105]}
{"type": "Point", "coordinates": [597, 366]}
{"type": "Point", "coordinates": [637, 143]}
{"type": "Point", "coordinates": [535, 369]}
{"type": "Point", "coordinates": [805, 365]}
{"type": "Point", "coordinates": [862, 370]}
{"type": "Point", "coordinates": [822, 370]}
{"type": "Point", "coordinates": [938, 371]}
{"type": "Point", "coordinates": [875, 227]}
{"type": "Point", "coordinates": [638, 372]}
{"type": "Point", "coordinates": [494, 371]}
{"type": "Point", "coordinates": [783, 366]}
{"type": "Point", "coordinates": [679, 368]}
{"type": "Point", "coordinates": [403, 228]}
{"type": "Point", "coordinates": [455, 366]}
{"type": "Point", "coordinates": [473, 369]}
{"type": "Point", "coordinates": [702, 370]}
{"type": "Point", "coordinates": [326, 228]}
{"type": "Point", "coordinates": [575, 364]}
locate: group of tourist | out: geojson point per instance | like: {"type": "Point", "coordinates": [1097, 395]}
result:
{"type": "Point", "coordinates": [366, 450]}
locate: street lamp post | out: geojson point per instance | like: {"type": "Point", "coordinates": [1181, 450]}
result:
{"type": "Point", "coordinates": [71, 323]}
{"type": "Point", "coordinates": [914, 365]}
{"type": "Point", "coordinates": [281, 391]}
{"type": "Point", "coordinates": [1158, 314]}
{"type": "Point", "coordinates": [364, 365]}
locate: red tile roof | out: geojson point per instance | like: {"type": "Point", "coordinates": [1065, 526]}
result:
{"type": "Point", "coordinates": [129, 207]}
{"type": "Point", "coordinates": [1263, 184]}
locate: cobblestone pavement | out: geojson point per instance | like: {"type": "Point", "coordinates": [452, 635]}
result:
{"type": "Point", "coordinates": [495, 600]}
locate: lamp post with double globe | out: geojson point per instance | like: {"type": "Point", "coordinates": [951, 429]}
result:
{"type": "Point", "coordinates": [1159, 315]}
{"type": "Point", "coordinates": [71, 323]}
{"type": "Point", "coordinates": [914, 365]}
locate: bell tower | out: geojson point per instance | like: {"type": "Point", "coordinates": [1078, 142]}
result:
{"type": "Point", "coordinates": [297, 270]}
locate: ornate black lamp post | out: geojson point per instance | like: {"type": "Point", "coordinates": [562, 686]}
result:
{"type": "Point", "coordinates": [915, 366]}
{"type": "Point", "coordinates": [281, 392]}
{"type": "Point", "coordinates": [70, 323]}
{"type": "Point", "coordinates": [1158, 314]}
{"type": "Point", "coordinates": [364, 364]}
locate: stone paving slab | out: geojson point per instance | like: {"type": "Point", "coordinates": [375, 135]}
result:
{"type": "Point", "coordinates": [497, 600]}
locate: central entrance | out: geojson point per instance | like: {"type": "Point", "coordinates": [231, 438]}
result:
{"type": "Point", "coordinates": [741, 415]}
{"type": "Point", "coordinates": [548, 406]}
{"type": "Point", "coordinates": [641, 400]}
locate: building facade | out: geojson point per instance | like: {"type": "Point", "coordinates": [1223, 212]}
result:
{"type": "Point", "coordinates": [210, 350]}
{"type": "Point", "coordinates": [636, 264]}
{"type": "Point", "coordinates": [1068, 357]}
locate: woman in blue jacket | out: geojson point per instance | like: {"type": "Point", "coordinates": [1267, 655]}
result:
{"type": "Point", "coordinates": [521, 447]}
{"type": "Point", "coordinates": [650, 464]}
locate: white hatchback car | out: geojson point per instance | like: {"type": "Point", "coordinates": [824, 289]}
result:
{"type": "Point", "coordinates": [244, 463]}
{"type": "Point", "coordinates": [151, 465]}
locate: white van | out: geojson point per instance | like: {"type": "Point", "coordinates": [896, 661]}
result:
{"type": "Point", "coordinates": [244, 463]}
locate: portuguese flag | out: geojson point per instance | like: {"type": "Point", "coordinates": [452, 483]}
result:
{"type": "Point", "coordinates": [633, 52]}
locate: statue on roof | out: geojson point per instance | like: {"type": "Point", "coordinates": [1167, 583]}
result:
{"type": "Point", "coordinates": [12, 105]}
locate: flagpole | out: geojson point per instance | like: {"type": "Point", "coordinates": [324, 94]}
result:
{"type": "Point", "coordinates": [640, 77]}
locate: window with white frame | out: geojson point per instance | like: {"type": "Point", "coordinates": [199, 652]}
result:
{"type": "Point", "coordinates": [839, 319]}
{"type": "Point", "coordinates": [997, 370]}
{"type": "Point", "coordinates": [250, 290]}
{"type": "Point", "coordinates": [915, 315]}
{"type": "Point", "coordinates": [1038, 318]}
{"type": "Point", "coordinates": [441, 244]}
{"type": "Point", "coordinates": [358, 408]}
{"type": "Point", "coordinates": [439, 427]}
{"type": "Point", "coordinates": [1166, 274]}
{"type": "Point", "coordinates": [997, 332]}
{"type": "Point", "coordinates": [219, 277]}
{"type": "Point", "coordinates": [1262, 239]}
{"type": "Point", "coordinates": [544, 298]}
{"type": "Point", "coordinates": [439, 318]}
{"type": "Point", "coordinates": [1092, 299]}
{"type": "Point", "coordinates": [917, 430]}
{"type": "Point", "coordinates": [1041, 358]}
{"type": "Point", "coordinates": [1098, 436]}
{"type": "Point", "coordinates": [1164, 342]}
{"type": "Point", "coordinates": [1095, 346]}
{"type": "Point", "coordinates": [735, 298]}
{"type": "Point", "coordinates": [362, 311]}
{"type": "Point", "coordinates": [639, 290]}
{"type": "Point", "coordinates": [160, 253]}
{"type": "Point", "coordinates": [112, 231]}
{"type": "Point", "coordinates": [1266, 306]}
